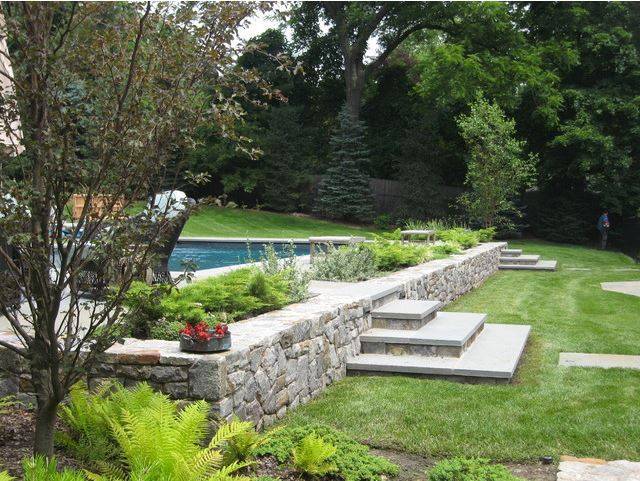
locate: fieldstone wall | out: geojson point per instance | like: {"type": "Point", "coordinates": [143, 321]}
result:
{"type": "Point", "coordinates": [282, 358]}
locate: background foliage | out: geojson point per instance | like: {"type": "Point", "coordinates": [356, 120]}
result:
{"type": "Point", "coordinates": [567, 73]}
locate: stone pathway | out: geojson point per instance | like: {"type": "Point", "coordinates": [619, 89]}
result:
{"type": "Point", "coordinates": [631, 287]}
{"type": "Point", "coordinates": [588, 469]}
{"type": "Point", "coordinates": [606, 361]}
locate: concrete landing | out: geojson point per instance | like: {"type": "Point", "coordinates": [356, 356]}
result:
{"type": "Point", "coordinates": [406, 309]}
{"type": "Point", "coordinates": [494, 355]}
{"type": "Point", "coordinates": [631, 287]}
{"type": "Point", "coordinates": [576, 469]}
{"type": "Point", "coordinates": [539, 266]}
{"type": "Point", "coordinates": [521, 259]}
{"type": "Point", "coordinates": [511, 252]}
{"type": "Point", "coordinates": [447, 329]}
{"type": "Point", "coordinates": [606, 361]}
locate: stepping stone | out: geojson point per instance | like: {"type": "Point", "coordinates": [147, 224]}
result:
{"type": "Point", "coordinates": [448, 334]}
{"type": "Point", "coordinates": [576, 469]}
{"type": "Point", "coordinates": [404, 314]}
{"type": "Point", "coordinates": [494, 355]}
{"type": "Point", "coordinates": [606, 361]}
{"type": "Point", "coordinates": [525, 259]}
{"type": "Point", "coordinates": [511, 252]}
{"type": "Point", "coordinates": [631, 287]}
{"type": "Point", "coordinates": [538, 266]}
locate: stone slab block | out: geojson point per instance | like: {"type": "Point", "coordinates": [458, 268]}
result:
{"type": "Point", "coordinates": [606, 361]}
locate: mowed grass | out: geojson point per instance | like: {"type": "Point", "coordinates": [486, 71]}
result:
{"type": "Point", "coordinates": [548, 410]}
{"type": "Point", "coordinates": [221, 222]}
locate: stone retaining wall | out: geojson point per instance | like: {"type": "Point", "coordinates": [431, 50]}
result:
{"type": "Point", "coordinates": [282, 358]}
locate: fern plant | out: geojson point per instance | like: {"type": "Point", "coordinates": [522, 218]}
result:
{"type": "Point", "coordinates": [160, 444]}
{"type": "Point", "coordinates": [88, 417]}
{"type": "Point", "coordinates": [5, 403]}
{"type": "Point", "coordinates": [241, 448]}
{"type": "Point", "coordinates": [43, 469]}
{"type": "Point", "coordinates": [312, 456]}
{"type": "Point", "coordinates": [4, 476]}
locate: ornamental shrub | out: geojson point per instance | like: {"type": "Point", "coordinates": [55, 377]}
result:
{"type": "Point", "coordinates": [347, 263]}
{"type": "Point", "coordinates": [474, 469]}
{"type": "Point", "coordinates": [393, 255]}
{"type": "Point", "coordinates": [465, 238]}
{"type": "Point", "coordinates": [353, 460]}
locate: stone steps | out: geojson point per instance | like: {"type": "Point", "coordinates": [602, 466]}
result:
{"type": "Point", "coordinates": [510, 252]}
{"type": "Point", "coordinates": [404, 314]}
{"type": "Point", "coordinates": [448, 334]}
{"type": "Point", "coordinates": [538, 266]}
{"type": "Point", "coordinates": [513, 259]}
{"type": "Point", "coordinates": [493, 356]}
{"type": "Point", "coordinates": [521, 259]}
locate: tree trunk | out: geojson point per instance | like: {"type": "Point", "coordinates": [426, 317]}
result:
{"type": "Point", "coordinates": [46, 413]}
{"type": "Point", "coordinates": [354, 80]}
{"type": "Point", "coordinates": [44, 379]}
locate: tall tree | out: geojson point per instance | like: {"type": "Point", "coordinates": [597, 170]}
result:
{"type": "Point", "coordinates": [344, 192]}
{"type": "Point", "coordinates": [353, 26]}
{"type": "Point", "coordinates": [498, 169]}
{"type": "Point", "coordinates": [106, 94]}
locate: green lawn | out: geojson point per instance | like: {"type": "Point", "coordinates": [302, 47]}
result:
{"type": "Point", "coordinates": [548, 410]}
{"type": "Point", "coordinates": [221, 222]}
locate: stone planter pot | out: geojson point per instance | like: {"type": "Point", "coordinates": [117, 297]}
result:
{"type": "Point", "coordinates": [215, 344]}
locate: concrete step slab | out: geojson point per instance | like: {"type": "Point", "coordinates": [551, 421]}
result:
{"type": "Point", "coordinates": [448, 334]}
{"type": "Point", "coordinates": [493, 356]}
{"type": "Point", "coordinates": [511, 252]}
{"type": "Point", "coordinates": [522, 259]}
{"type": "Point", "coordinates": [405, 314]}
{"type": "Point", "coordinates": [538, 266]}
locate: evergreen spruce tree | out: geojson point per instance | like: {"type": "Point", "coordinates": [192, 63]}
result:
{"type": "Point", "coordinates": [344, 192]}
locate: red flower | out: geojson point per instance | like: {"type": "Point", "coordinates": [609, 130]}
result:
{"type": "Point", "coordinates": [202, 331]}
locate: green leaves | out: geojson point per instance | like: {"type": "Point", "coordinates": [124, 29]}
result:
{"type": "Point", "coordinates": [498, 170]}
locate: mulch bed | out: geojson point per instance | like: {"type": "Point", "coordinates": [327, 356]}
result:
{"type": "Point", "coordinates": [16, 441]}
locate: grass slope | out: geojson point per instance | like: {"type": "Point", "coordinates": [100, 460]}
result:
{"type": "Point", "coordinates": [220, 222]}
{"type": "Point", "coordinates": [549, 410]}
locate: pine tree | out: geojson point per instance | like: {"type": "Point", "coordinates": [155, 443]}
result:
{"type": "Point", "coordinates": [344, 192]}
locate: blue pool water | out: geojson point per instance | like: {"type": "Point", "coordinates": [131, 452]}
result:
{"type": "Point", "coordinates": [207, 255]}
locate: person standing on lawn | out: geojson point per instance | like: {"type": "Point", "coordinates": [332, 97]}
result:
{"type": "Point", "coordinates": [603, 226]}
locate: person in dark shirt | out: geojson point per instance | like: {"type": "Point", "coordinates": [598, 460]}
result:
{"type": "Point", "coordinates": [603, 228]}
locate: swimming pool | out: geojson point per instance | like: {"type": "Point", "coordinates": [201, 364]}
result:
{"type": "Point", "coordinates": [208, 255]}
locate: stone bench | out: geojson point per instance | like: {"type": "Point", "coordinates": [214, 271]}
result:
{"type": "Point", "coordinates": [407, 235]}
{"type": "Point", "coordinates": [331, 240]}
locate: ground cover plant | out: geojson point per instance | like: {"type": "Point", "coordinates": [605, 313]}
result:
{"type": "Point", "coordinates": [473, 469]}
{"type": "Point", "coordinates": [547, 410]}
{"type": "Point", "coordinates": [352, 460]}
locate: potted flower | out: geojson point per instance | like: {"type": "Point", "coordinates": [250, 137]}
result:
{"type": "Point", "coordinates": [202, 338]}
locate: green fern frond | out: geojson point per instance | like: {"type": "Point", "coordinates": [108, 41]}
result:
{"type": "Point", "coordinates": [313, 456]}
{"type": "Point", "coordinates": [227, 431]}
{"type": "Point", "coordinates": [4, 476]}
{"type": "Point", "coordinates": [226, 473]}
